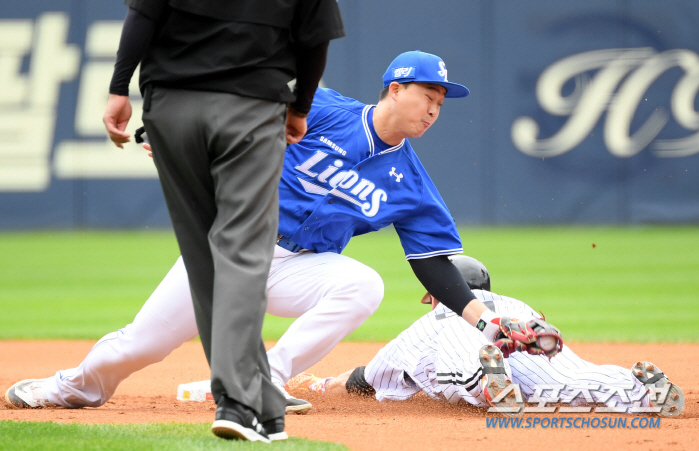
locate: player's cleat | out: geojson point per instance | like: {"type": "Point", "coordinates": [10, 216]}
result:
{"type": "Point", "coordinates": [275, 429]}
{"type": "Point", "coordinates": [297, 406]}
{"type": "Point", "coordinates": [236, 421]}
{"type": "Point", "coordinates": [294, 405]}
{"type": "Point", "coordinates": [661, 392]}
{"type": "Point", "coordinates": [494, 381]}
{"type": "Point", "coordinates": [307, 381]}
{"type": "Point", "coordinates": [27, 394]}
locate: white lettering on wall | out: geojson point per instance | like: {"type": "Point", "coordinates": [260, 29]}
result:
{"type": "Point", "coordinates": [623, 77]}
{"type": "Point", "coordinates": [29, 97]}
{"type": "Point", "coordinates": [28, 100]}
{"type": "Point", "coordinates": [93, 156]}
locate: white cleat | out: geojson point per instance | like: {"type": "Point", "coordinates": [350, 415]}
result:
{"type": "Point", "coordinates": [661, 392]}
{"type": "Point", "coordinates": [494, 381]}
{"type": "Point", "coordinates": [27, 394]}
{"type": "Point", "coordinates": [294, 405]}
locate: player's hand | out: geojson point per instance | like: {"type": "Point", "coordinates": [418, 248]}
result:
{"type": "Point", "coordinates": [296, 126]}
{"type": "Point", "coordinates": [535, 337]}
{"type": "Point", "coordinates": [149, 149]}
{"type": "Point", "coordinates": [116, 117]}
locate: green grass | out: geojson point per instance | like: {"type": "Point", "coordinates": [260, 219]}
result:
{"type": "Point", "coordinates": [638, 284]}
{"type": "Point", "coordinates": [134, 437]}
{"type": "Point", "coordinates": [78, 284]}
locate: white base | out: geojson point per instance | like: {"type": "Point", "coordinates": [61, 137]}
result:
{"type": "Point", "coordinates": [195, 391]}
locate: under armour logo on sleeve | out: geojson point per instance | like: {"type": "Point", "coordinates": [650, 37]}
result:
{"type": "Point", "coordinates": [397, 176]}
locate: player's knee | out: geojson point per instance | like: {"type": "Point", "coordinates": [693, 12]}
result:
{"type": "Point", "coordinates": [370, 289]}
{"type": "Point", "coordinates": [142, 349]}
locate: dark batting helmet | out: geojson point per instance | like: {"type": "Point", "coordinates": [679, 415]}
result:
{"type": "Point", "coordinates": [474, 272]}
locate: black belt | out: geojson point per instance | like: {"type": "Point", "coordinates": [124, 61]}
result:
{"type": "Point", "coordinates": [287, 244]}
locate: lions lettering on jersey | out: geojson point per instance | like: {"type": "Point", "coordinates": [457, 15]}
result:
{"type": "Point", "coordinates": [348, 180]}
{"type": "Point", "coordinates": [341, 180]}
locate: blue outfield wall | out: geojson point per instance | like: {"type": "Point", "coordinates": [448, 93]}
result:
{"type": "Point", "coordinates": [580, 112]}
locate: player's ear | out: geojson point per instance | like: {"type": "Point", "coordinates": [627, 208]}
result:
{"type": "Point", "coordinates": [393, 89]}
{"type": "Point", "coordinates": [429, 300]}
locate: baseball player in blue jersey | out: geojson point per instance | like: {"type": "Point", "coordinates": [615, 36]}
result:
{"type": "Point", "coordinates": [354, 172]}
{"type": "Point", "coordinates": [444, 358]}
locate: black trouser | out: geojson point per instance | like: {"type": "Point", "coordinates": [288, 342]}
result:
{"type": "Point", "coordinates": [219, 158]}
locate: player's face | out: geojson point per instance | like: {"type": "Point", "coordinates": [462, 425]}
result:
{"type": "Point", "coordinates": [417, 107]}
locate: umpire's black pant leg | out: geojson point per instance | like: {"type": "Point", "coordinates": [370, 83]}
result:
{"type": "Point", "coordinates": [248, 143]}
{"type": "Point", "coordinates": [175, 131]}
{"type": "Point", "coordinates": [219, 157]}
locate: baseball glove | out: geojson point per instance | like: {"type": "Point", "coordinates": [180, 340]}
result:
{"type": "Point", "coordinates": [535, 337]}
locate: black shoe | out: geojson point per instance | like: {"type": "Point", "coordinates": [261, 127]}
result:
{"type": "Point", "coordinates": [236, 421]}
{"type": "Point", "coordinates": [275, 429]}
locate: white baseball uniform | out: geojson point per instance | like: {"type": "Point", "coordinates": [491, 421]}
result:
{"type": "Point", "coordinates": [330, 294]}
{"type": "Point", "coordinates": [438, 355]}
{"type": "Point", "coordinates": [341, 180]}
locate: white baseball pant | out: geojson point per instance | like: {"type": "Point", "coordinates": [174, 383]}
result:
{"type": "Point", "coordinates": [438, 355]}
{"type": "Point", "coordinates": [330, 294]}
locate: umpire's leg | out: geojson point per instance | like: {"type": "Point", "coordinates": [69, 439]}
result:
{"type": "Point", "coordinates": [219, 158]}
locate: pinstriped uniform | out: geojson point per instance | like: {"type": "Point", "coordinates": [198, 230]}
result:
{"type": "Point", "coordinates": [438, 355]}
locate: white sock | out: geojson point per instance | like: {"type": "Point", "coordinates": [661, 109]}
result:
{"type": "Point", "coordinates": [489, 325]}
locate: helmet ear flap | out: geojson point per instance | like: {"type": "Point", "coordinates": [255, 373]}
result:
{"type": "Point", "coordinates": [486, 276]}
{"type": "Point", "coordinates": [474, 272]}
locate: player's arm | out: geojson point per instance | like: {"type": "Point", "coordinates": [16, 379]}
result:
{"type": "Point", "coordinates": [310, 64]}
{"type": "Point", "coordinates": [443, 280]}
{"type": "Point", "coordinates": [136, 34]}
{"type": "Point", "coordinates": [314, 25]}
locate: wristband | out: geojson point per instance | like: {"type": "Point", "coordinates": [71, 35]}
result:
{"type": "Point", "coordinates": [488, 324]}
{"type": "Point", "coordinates": [295, 112]}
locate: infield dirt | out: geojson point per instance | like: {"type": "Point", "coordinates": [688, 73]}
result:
{"type": "Point", "coordinates": [362, 424]}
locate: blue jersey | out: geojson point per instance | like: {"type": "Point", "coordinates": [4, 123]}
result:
{"type": "Point", "coordinates": [341, 180]}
